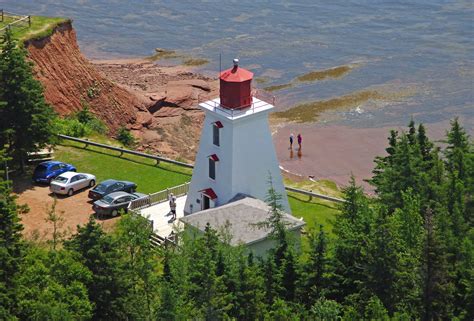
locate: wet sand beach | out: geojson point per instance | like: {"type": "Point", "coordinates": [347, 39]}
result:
{"type": "Point", "coordinates": [334, 152]}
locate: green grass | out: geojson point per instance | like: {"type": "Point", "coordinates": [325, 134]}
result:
{"type": "Point", "coordinates": [106, 164]}
{"type": "Point", "coordinates": [40, 27]}
{"type": "Point", "coordinates": [151, 178]}
{"type": "Point", "coordinates": [314, 212]}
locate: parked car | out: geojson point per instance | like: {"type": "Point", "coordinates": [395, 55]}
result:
{"type": "Point", "coordinates": [110, 186]}
{"type": "Point", "coordinates": [70, 182]}
{"type": "Point", "coordinates": [46, 171]}
{"type": "Point", "coordinates": [112, 203]}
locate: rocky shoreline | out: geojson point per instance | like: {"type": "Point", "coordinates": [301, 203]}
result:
{"type": "Point", "coordinates": [173, 123]}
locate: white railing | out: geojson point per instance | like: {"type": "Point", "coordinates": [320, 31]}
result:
{"type": "Point", "coordinates": [158, 197]}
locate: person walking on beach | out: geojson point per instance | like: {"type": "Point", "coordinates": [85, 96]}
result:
{"type": "Point", "coordinates": [300, 139]}
{"type": "Point", "coordinates": [291, 140]}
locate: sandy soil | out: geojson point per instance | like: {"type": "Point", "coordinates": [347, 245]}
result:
{"type": "Point", "coordinates": [334, 152]}
{"type": "Point", "coordinates": [75, 210]}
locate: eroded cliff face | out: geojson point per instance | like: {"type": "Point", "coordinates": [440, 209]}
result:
{"type": "Point", "coordinates": [70, 80]}
{"type": "Point", "coordinates": [157, 103]}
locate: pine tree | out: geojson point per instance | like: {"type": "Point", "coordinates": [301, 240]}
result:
{"type": "Point", "coordinates": [97, 251]}
{"type": "Point", "coordinates": [352, 227]}
{"type": "Point", "coordinates": [465, 288]}
{"type": "Point", "coordinates": [25, 118]}
{"type": "Point", "coordinates": [406, 225]}
{"type": "Point", "coordinates": [138, 264]}
{"type": "Point", "coordinates": [52, 287]}
{"type": "Point", "coordinates": [12, 247]}
{"type": "Point", "coordinates": [380, 262]}
{"type": "Point", "coordinates": [437, 286]}
{"type": "Point", "coordinates": [248, 304]}
{"type": "Point", "coordinates": [460, 165]}
{"type": "Point", "coordinates": [207, 290]}
{"type": "Point", "coordinates": [315, 268]}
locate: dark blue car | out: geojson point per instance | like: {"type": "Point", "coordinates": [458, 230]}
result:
{"type": "Point", "coordinates": [110, 186]}
{"type": "Point", "coordinates": [45, 172]}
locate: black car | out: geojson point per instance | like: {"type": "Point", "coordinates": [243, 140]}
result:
{"type": "Point", "coordinates": [110, 186]}
{"type": "Point", "coordinates": [112, 203]}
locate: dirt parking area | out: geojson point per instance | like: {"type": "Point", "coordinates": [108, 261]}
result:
{"type": "Point", "coordinates": [74, 210]}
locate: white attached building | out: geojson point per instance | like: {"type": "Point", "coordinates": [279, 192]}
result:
{"type": "Point", "coordinates": [236, 152]}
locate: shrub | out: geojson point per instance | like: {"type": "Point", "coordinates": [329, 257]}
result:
{"type": "Point", "coordinates": [72, 127]}
{"type": "Point", "coordinates": [125, 137]}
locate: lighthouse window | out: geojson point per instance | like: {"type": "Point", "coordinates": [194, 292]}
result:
{"type": "Point", "coordinates": [215, 135]}
{"type": "Point", "coordinates": [212, 168]}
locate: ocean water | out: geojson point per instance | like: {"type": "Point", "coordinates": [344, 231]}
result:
{"type": "Point", "coordinates": [420, 51]}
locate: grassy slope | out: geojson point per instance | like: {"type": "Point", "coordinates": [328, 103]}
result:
{"type": "Point", "coordinates": [40, 27]}
{"type": "Point", "coordinates": [150, 178]}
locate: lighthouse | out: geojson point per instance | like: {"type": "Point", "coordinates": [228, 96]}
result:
{"type": "Point", "coordinates": [236, 155]}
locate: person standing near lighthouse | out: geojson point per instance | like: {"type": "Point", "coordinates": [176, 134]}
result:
{"type": "Point", "coordinates": [291, 140]}
{"type": "Point", "coordinates": [300, 140]}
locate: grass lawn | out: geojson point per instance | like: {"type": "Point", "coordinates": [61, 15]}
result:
{"type": "Point", "coordinates": [315, 212]}
{"type": "Point", "coordinates": [151, 178]}
{"type": "Point", "coordinates": [40, 26]}
{"type": "Point", "coordinates": [106, 164]}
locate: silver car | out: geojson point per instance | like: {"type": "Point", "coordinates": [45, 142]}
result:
{"type": "Point", "coordinates": [112, 203]}
{"type": "Point", "coordinates": [69, 182]}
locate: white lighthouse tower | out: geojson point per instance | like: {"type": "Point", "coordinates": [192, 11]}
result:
{"type": "Point", "coordinates": [236, 153]}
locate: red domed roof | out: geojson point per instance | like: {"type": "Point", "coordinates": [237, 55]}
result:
{"type": "Point", "coordinates": [236, 74]}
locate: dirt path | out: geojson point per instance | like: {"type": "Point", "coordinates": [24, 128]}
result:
{"type": "Point", "coordinates": [75, 210]}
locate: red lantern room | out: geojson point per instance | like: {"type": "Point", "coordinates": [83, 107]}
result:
{"type": "Point", "coordinates": [236, 87]}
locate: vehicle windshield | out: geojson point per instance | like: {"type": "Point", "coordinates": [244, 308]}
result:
{"type": "Point", "coordinates": [100, 188]}
{"type": "Point", "coordinates": [40, 169]}
{"type": "Point", "coordinates": [107, 199]}
{"type": "Point", "coordinates": [61, 179]}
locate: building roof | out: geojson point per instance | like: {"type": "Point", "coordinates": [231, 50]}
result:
{"type": "Point", "coordinates": [236, 74]}
{"type": "Point", "coordinates": [240, 216]}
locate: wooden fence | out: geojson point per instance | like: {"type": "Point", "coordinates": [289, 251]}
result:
{"type": "Point", "coordinates": [17, 20]}
{"type": "Point", "coordinates": [126, 151]}
{"type": "Point", "coordinates": [158, 197]}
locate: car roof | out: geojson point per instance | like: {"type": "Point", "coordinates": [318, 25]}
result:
{"type": "Point", "coordinates": [108, 182]}
{"type": "Point", "coordinates": [112, 181]}
{"type": "Point", "coordinates": [51, 162]}
{"type": "Point", "coordinates": [68, 174]}
{"type": "Point", "coordinates": [117, 194]}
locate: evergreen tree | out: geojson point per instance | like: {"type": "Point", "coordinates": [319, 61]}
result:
{"type": "Point", "coordinates": [380, 262]}
{"type": "Point", "coordinates": [465, 288]}
{"type": "Point", "coordinates": [351, 228]}
{"type": "Point", "coordinates": [12, 247]}
{"type": "Point", "coordinates": [437, 288]}
{"type": "Point", "coordinates": [52, 287]}
{"type": "Point", "coordinates": [25, 118]}
{"type": "Point", "coordinates": [460, 165]}
{"type": "Point", "coordinates": [97, 251]}
{"type": "Point", "coordinates": [406, 224]}
{"type": "Point", "coordinates": [138, 265]}
{"type": "Point", "coordinates": [249, 297]}
{"type": "Point", "coordinates": [207, 290]}
{"type": "Point", "coordinates": [315, 268]}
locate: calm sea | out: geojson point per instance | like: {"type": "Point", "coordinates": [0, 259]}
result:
{"type": "Point", "coordinates": [420, 51]}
